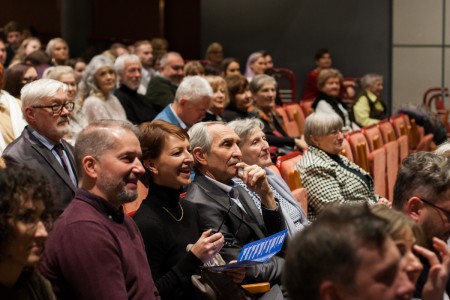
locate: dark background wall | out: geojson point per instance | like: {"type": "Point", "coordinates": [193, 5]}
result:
{"type": "Point", "coordinates": [357, 32]}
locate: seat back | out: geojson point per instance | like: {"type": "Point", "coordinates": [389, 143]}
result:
{"type": "Point", "coordinates": [360, 149]}
{"type": "Point", "coordinates": [295, 112]}
{"type": "Point", "coordinates": [306, 105]}
{"type": "Point", "coordinates": [400, 126]}
{"type": "Point", "coordinates": [347, 151]}
{"type": "Point", "coordinates": [387, 131]}
{"type": "Point", "coordinates": [290, 123]}
{"type": "Point", "coordinates": [373, 136]}
{"type": "Point", "coordinates": [287, 166]}
{"type": "Point", "coordinates": [286, 85]}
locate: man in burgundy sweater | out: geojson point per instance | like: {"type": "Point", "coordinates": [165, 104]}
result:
{"type": "Point", "coordinates": [95, 251]}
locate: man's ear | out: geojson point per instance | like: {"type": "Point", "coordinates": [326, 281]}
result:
{"type": "Point", "coordinates": [89, 164]}
{"type": "Point", "coordinates": [29, 114]}
{"type": "Point", "coordinates": [328, 290]}
{"type": "Point", "coordinates": [150, 165]}
{"type": "Point", "coordinates": [182, 102]}
{"type": "Point", "coordinates": [414, 208]}
{"type": "Point", "coordinates": [199, 156]}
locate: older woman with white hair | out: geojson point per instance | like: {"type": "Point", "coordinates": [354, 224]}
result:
{"type": "Point", "coordinates": [255, 151]}
{"type": "Point", "coordinates": [98, 82]}
{"type": "Point", "coordinates": [256, 64]}
{"type": "Point", "coordinates": [58, 51]}
{"type": "Point", "coordinates": [78, 120]}
{"type": "Point", "coordinates": [369, 109]}
{"type": "Point", "coordinates": [330, 178]}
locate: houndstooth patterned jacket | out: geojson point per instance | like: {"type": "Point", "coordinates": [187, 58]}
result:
{"type": "Point", "coordinates": [328, 183]}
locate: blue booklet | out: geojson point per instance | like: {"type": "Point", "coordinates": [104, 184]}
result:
{"type": "Point", "coordinates": [256, 252]}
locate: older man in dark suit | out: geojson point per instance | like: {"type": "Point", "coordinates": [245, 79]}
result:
{"type": "Point", "coordinates": [226, 207]}
{"type": "Point", "coordinates": [41, 145]}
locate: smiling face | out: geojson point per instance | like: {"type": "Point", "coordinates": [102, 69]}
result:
{"type": "Point", "coordinates": [69, 79]}
{"type": "Point", "coordinates": [106, 80]}
{"type": "Point", "coordinates": [218, 101]}
{"type": "Point", "coordinates": [117, 171]}
{"type": "Point", "coordinates": [255, 149]}
{"type": "Point", "coordinates": [220, 162]}
{"type": "Point", "coordinates": [30, 234]}
{"type": "Point", "coordinates": [131, 75]}
{"type": "Point", "coordinates": [377, 88]}
{"type": "Point", "coordinates": [412, 265]}
{"type": "Point", "coordinates": [243, 100]}
{"type": "Point", "coordinates": [173, 70]}
{"type": "Point", "coordinates": [173, 166]}
{"type": "Point", "coordinates": [265, 97]}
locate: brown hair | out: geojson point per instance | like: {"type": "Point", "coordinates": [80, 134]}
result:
{"type": "Point", "coordinates": [236, 84]}
{"type": "Point", "coordinates": [326, 74]}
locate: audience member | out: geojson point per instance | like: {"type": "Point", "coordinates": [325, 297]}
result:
{"type": "Point", "coordinates": [28, 45]}
{"type": "Point", "coordinates": [13, 34]}
{"type": "Point", "coordinates": [214, 54]}
{"type": "Point", "coordinates": [408, 235]}
{"type": "Point", "coordinates": [41, 145]}
{"type": "Point", "coordinates": [160, 46]}
{"type": "Point", "coordinates": [190, 105]}
{"type": "Point", "coordinates": [162, 87]}
{"type": "Point", "coordinates": [26, 202]}
{"type": "Point", "coordinates": [58, 51]}
{"type": "Point", "coordinates": [39, 60]}
{"type": "Point", "coordinates": [422, 191]}
{"type": "Point", "coordinates": [138, 108]}
{"type": "Point", "coordinates": [78, 121]}
{"type": "Point", "coordinates": [323, 60]}
{"type": "Point", "coordinates": [328, 101]}
{"type": "Point", "coordinates": [17, 76]}
{"type": "Point", "coordinates": [369, 109]}
{"type": "Point", "coordinates": [255, 151]}
{"type": "Point", "coordinates": [330, 178]}
{"type": "Point", "coordinates": [240, 98]}
{"type": "Point", "coordinates": [167, 224]}
{"type": "Point", "coordinates": [228, 208]}
{"type": "Point", "coordinates": [256, 65]}
{"type": "Point", "coordinates": [144, 50]}
{"type": "Point", "coordinates": [79, 66]}
{"type": "Point", "coordinates": [3, 53]}
{"type": "Point", "coordinates": [95, 251]}
{"type": "Point", "coordinates": [230, 66]}
{"type": "Point", "coordinates": [193, 68]}
{"type": "Point", "coordinates": [96, 87]}
{"type": "Point", "coordinates": [219, 100]}
{"type": "Point", "coordinates": [11, 117]}
{"type": "Point", "coordinates": [269, 62]}
{"type": "Point", "coordinates": [115, 50]}
{"type": "Point", "coordinates": [346, 254]}
{"type": "Point", "coordinates": [263, 88]}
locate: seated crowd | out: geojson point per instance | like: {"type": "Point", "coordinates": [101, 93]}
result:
{"type": "Point", "coordinates": [80, 141]}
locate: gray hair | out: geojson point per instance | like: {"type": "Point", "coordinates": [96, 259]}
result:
{"type": "Point", "coordinates": [320, 124]}
{"type": "Point", "coordinates": [88, 82]}
{"type": "Point", "coordinates": [199, 135]}
{"type": "Point", "coordinates": [58, 71]}
{"type": "Point", "coordinates": [95, 139]}
{"type": "Point", "coordinates": [119, 64]}
{"type": "Point", "coordinates": [424, 174]}
{"type": "Point", "coordinates": [369, 80]}
{"type": "Point", "coordinates": [165, 58]}
{"type": "Point", "coordinates": [33, 92]}
{"type": "Point", "coordinates": [51, 45]}
{"type": "Point", "coordinates": [193, 88]}
{"type": "Point", "coordinates": [259, 81]}
{"type": "Point", "coordinates": [443, 149]}
{"type": "Point", "coordinates": [245, 127]}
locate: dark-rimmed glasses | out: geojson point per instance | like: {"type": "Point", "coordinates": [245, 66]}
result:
{"type": "Point", "coordinates": [57, 108]}
{"type": "Point", "coordinates": [446, 212]}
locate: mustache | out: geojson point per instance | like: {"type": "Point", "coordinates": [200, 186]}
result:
{"type": "Point", "coordinates": [62, 119]}
{"type": "Point", "coordinates": [233, 161]}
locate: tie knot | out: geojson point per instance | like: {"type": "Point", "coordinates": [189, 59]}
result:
{"type": "Point", "coordinates": [234, 193]}
{"type": "Point", "coordinates": [58, 147]}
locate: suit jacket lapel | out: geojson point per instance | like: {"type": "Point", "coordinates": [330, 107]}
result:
{"type": "Point", "coordinates": [219, 196]}
{"type": "Point", "coordinates": [51, 160]}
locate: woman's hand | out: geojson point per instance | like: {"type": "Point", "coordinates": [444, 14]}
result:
{"type": "Point", "coordinates": [436, 283]}
{"type": "Point", "coordinates": [300, 143]}
{"type": "Point", "coordinates": [208, 245]}
{"type": "Point", "coordinates": [236, 274]}
{"type": "Point", "coordinates": [384, 201]}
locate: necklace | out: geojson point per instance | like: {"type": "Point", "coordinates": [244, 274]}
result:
{"type": "Point", "coordinates": [182, 213]}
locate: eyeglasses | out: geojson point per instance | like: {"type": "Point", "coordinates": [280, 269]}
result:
{"type": "Point", "coordinates": [57, 108]}
{"type": "Point", "coordinates": [177, 68]}
{"type": "Point", "coordinates": [446, 212]}
{"type": "Point", "coordinates": [229, 241]}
